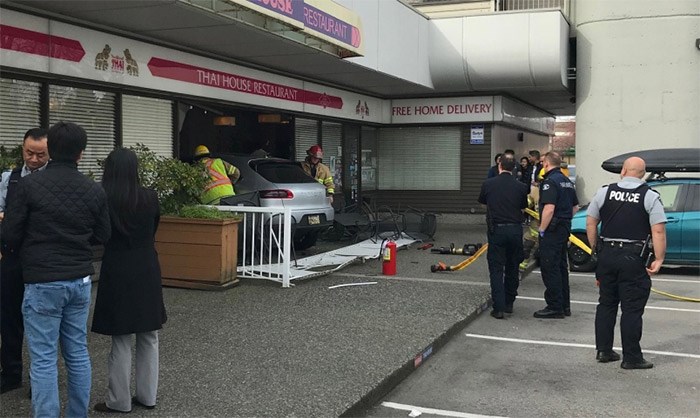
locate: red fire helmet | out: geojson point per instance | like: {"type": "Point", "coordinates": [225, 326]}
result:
{"type": "Point", "coordinates": [315, 151]}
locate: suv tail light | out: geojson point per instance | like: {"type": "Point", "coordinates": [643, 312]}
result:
{"type": "Point", "coordinates": [276, 194]}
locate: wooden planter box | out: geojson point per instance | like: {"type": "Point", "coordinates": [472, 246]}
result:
{"type": "Point", "coordinates": [198, 253]}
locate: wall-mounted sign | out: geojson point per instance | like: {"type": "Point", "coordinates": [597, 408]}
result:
{"type": "Point", "coordinates": [451, 109]}
{"type": "Point", "coordinates": [323, 19]}
{"type": "Point", "coordinates": [198, 75]}
{"type": "Point", "coordinates": [61, 49]}
{"type": "Point", "coordinates": [477, 135]}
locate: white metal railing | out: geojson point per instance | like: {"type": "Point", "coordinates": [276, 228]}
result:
{"type": "Point", "coordinates": [266, 242]}
{"type": "Point", "coordinates": [505, 5]}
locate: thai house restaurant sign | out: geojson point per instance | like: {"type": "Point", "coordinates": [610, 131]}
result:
{"type": "Point", "coordinates": [160, 67]}
{"type": "Point", "coordinates": [323, 19]}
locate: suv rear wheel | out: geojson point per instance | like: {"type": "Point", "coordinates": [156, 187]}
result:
{"type": "Point", "coordinates": [306, 240]}
{"type": "Point", "coordinates": [580, 260]}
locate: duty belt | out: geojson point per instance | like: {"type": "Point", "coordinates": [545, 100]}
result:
{"type": "Point", "coordinates": [623, 244]}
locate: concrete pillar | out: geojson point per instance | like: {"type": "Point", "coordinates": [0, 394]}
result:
{"type": "Point", "coordinates": [638, 81]}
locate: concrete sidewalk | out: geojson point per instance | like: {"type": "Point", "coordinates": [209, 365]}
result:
{"type": "Point", "coordinates": [261, 350]}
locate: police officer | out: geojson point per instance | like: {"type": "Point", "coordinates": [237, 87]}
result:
{"type": "Point", "coordinates": [630, 212]}
{"type": "Point", "coordinates": [505, 198]}
{"type": "Point", "coordinates": [557, 206]}
{"type": "Point", "coordinates": [35, 155]}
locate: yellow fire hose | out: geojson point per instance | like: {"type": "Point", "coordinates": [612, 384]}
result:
{"type": "Point", "coordinates": [440, 266]}
{"type": "Point", "coordinates": [582, 245]}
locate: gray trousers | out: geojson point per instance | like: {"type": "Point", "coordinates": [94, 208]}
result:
{"type": "Point", "coordinates": [119, 366]}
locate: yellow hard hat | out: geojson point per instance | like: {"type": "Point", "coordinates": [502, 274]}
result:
{"type": "Point", "coordinates": [201, 150]}
{"type": "Point", "coordinates": [540, 175]}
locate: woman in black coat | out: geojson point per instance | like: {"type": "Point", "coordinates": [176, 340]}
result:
{"type": "Point", "coordinates": [129, 296]}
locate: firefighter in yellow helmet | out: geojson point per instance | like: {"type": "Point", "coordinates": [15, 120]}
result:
{"type": "Point", "coordinates": [313, 166]}
{"type": "Point", "coordinates": [221, 174]}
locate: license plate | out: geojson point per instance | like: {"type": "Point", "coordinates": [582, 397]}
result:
{"type": "Point", "coordinates": [314, 220]}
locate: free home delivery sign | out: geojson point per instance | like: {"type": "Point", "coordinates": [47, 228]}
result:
{"type": "Point", "coordinates": [457, 109]}
{"type": "Point", "coordinates": [322, 18]}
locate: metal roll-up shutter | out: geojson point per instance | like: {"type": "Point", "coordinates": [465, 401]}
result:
{"type": "Point", "coordinates": [20, 110]}
{"type": "Point", "coordinates": [148, 121]}
{"type": "Point", "coordinates": [422, 158]}
{"type": "Point", "coordinates": [94, 111]}
{"type": "Point", "coordinates": [331, 137]}
{"type": "Point", "coordinates": [305, 135]}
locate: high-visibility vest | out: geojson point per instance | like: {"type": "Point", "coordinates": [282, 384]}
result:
{"type": "Point", "coordinates": [219, 185]}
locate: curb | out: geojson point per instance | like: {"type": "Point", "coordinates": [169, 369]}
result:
{"type": "Point", "coordinates": [371, 398]}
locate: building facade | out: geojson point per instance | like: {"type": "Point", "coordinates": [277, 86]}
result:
{"type": "Point", "coordinates": [409, 106]}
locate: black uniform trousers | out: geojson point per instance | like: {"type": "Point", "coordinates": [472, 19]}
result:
{"type": "Point", "coordinates": [504, 254]}
{"type": "Point", "coordinates": [11, 324]}
{"type": "Point", "coordinates": [554, 267]}
{"type": "Point", "coordinates": [623, 281]}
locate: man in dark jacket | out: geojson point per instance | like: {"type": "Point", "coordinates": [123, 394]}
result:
{"type": "Point", "coordinates": [52, 220]}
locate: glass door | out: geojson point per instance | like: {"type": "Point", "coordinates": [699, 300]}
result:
{"type": "Point", "coordinates": [351, 164]}
{"type": "Point", "coordinates": [368, 159]}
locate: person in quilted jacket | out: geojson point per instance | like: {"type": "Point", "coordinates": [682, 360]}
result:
{"type": "Point", "coordinates": [52, 221]}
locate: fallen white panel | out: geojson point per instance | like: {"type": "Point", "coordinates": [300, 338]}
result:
{"type": "Point", "coordinates": [324, 263]}
{"type": "Point", "coordinates": [351, 284]}
{"type": "Point", "coordinates": [364, 250]}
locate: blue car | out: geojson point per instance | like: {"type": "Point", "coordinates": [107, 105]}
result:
{"type": "Point", "coordinates": [681, 199]}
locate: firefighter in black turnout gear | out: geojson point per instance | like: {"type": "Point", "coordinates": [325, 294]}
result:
{"type": "Point", "coordinates": [505, 198]}
{"type": "Point", "coordinates": [632, 215]}
{"type": "Point", "coordinates": [558, 204]}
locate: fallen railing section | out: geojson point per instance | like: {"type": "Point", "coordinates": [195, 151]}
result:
{"type": "Point", "coordinates": [265, 238]}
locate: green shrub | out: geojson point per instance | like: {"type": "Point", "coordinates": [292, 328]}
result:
{"type": "Point", "coordinates": [177, 184]}
{"type": "Point", "coordinates": [205, 212]}
{"type": "Point", "coordinates": [10, 158]}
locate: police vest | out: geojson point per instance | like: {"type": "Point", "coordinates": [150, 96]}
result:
{"type": "Point", "coordinates": [15, 176]}
{"type": "Point", "coordinates": [623, 215]}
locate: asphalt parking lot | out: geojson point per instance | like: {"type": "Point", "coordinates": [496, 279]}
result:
{"type": "Point", "coordinates": [522, 366]}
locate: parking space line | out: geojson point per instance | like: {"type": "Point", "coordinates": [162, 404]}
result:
{"type": "Point", "coordinates": [412, 279]}
{"type": "Point", "coordinates": [654, 279]}
{"type": "Point", "coordinates": [581, 302]}
{"type": "Point", "coordinates": [560, 344]}
{"type": "Point", "coordinates": [433, 411]}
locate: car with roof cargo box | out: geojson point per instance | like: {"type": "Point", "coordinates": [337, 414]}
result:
{"type": "Point", "coordinates": [679, 195]}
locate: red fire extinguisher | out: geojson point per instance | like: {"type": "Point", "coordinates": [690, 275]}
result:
{"type": "Point", "coordinates": [389, 259]}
